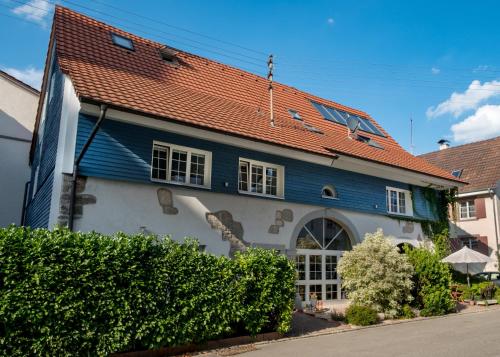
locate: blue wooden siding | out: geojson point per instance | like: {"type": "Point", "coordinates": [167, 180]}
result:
{"type": "Point", "coordinates": [44, 158]}
{"type": "Point", "coordinates": [122, 151]}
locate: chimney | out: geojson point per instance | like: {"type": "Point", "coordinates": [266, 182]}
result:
{"type": "Point", "coordinates": [443, 144]}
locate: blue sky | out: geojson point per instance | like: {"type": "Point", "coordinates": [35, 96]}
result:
{"type": "Point", "coordinates": [435, 61]}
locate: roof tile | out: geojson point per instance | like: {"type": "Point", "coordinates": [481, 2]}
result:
{"type": "Point", "coordinates": [206, 94]}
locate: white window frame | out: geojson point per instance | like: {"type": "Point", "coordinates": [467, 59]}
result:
{"type": "Point", "coordinates": [468, 205]}
{"type": "Point", "coordinates": [408, 201]}
{"type": "Point", "coordinates": [307, 282]}
{"type": "Point", "coordinates": [207, 173]}
{"type": "Point", "coordinates": [280, 182]}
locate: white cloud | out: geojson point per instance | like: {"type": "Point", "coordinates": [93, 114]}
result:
{"type": "Point", "coordinates": [483, 124]}
{"type": "Point", "coordinates": [30, 75]}
{"type": "Point", "coordinates": [34, 10]}
{"type": "Point", "coordinates": [330, 21]}
{"type": "Point", "coordinates": [435, 70]}
{"type": "Point", "coordinates": [482, 68]}
{"type": "Point", "coordinates": [459, 103]}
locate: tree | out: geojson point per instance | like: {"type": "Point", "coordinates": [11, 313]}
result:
{"type": "Point", "coordinates": [375, 274]}
{"type": "Point", "coordinates": [432, 281]}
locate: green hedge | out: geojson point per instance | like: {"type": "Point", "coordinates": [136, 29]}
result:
{"type": "Point", "coordinates": [65, 293]}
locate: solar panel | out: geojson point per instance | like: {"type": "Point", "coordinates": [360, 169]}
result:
{"type": "Point", "coordinates": [325, 113]}
{"type": "Point", "coordinates": [340, 116]}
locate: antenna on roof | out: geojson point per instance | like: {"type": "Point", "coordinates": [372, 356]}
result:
{"type": "Point", "coordinates": [352, 125]}
{"type": "Point", "coordinates": [411, 135]}
{"type": "Point", "coordinates": [270, 65]}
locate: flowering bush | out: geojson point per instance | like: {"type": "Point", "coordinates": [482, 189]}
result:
{"type": "Point", "coordinates": [375, 274]}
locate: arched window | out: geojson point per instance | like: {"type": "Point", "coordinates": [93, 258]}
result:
{"type": "Point", "coordinates": [320, 245]}
{"type": "Point", "coordinates": [329, 192]}
{"type": "Point", "coordinates": [323, 233]}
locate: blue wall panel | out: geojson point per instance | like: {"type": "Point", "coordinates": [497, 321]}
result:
{"type": "Point", "coordinates": [44, 157]}
{"type": "Point", "coordinates": [123, 152]}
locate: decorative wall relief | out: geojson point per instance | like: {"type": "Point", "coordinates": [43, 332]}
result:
{"type": "Point", "coordinates": [231, 230]}
{"type": "Point", "coordinates": [280, 218]}
{"type": "Point", "coordinates": [81, 199]}
{"type": "Point", "coordinates": [408, 227]}
{"type": "Point", "coordinates": [166, 201]}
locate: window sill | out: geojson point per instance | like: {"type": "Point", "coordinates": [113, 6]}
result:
{"type": "Point", "coordinates": [468, 219]}
{"type": "Point", "coordinates": [260, 195]}
{"type": "Point", "coordinates": [181, 184]}
{"type": "Point", "coordinates": [329, 198]}
{"type": "Point", "coordinates": [399, 214]}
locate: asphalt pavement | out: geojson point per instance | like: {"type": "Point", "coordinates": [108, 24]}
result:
{"type": "Point", "coordinates": [467, 335]}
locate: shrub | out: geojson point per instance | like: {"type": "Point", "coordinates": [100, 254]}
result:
{"type": "Point", "coordinates": [268, 283]}
{"type": "Point", "coordinates": [375, 274]}
{"type": "Point", "coordinates": [407, 312]}
{"type": "Point", "coordinates": [432, 282]}
{"type": "Point", "coordinates": [480, 291]}
{"type": "Point", "coordinates": [65, 293]}
{"type": "Point", "coordinates": [360, 315]}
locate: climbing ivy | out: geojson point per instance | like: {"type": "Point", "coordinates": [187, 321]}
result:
{"type": "Point", "coordinates": [439, 203]}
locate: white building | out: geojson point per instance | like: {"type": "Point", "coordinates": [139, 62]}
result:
{"type": "Point", "coordinates": [18, 106]}
{"type": "Point", "coordinates": [475, 221]}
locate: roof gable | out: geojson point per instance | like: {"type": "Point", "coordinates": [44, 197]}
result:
{"type": "Point", "coordinates": [204, 93]}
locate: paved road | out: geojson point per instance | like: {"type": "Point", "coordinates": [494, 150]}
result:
{"type": "Point", "coordinates": [476, 334]}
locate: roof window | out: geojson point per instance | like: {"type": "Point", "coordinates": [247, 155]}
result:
{"type": "Point", "coordinates": [295, 114]}
{"type": "Point", "coordinates": [169, 55]}
{"type": "Point", "coordinates": [122, 41]}
{"type": "Point", "coordinates": [457, 173]}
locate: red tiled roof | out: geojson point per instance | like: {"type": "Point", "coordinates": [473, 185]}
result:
{"type": "Point", "coordinates": [480, 162]}
{"type": "Point", "coordinates": [206, 94]}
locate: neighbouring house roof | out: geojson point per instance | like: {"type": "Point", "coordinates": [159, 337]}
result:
{"type": "Point", "coordinates": [204, 93]}
{"type": "Point", "coordinates": [480, 162]}
{"type": "Point", "coordinates": [19, 82]}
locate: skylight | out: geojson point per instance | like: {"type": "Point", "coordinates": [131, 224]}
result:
{"type": "Point", "coordinates": [340, 117]}
{"type": "Point", "coordinates": [457, 173]}
{"type": "Point", "coordinates": [295, 114]}
{"type": "Point", "coordinates": [122, 41]}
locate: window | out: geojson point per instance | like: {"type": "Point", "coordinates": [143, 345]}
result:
{"type": "Point", "coordinates": [467, 209]}
{"type": "Point", "coordinates": [329, 192]}
{"type": "Point", "coordinates": [122, 41]}
{"type": "Point", "coordinates": [260, 178]}
{"type": "Point", "coordinates": [470, 242]}
{"type": "Point", "coordinates": [180, 165]}
{"type": "Point", "coordinates": [456, 173]}
{"type": "Point", "coordinates": [320, 245]}
{"type": "Point", "coordinates": [295, 114]}
{"type": "Point", "coordinates": [168, 55]}
{"type": "Point", "coordinates": [399, 201]}
{"type": "Point", "coordinates": [340, 117]}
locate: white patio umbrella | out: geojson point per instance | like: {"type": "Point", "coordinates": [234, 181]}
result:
{"type": "Point", "coordinates": [467, 256]}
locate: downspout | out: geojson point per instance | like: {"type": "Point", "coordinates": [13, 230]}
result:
{"type": "Point", "coordinates": [495, 222]}
{"type": "Point", "coordinates": [25, 198]}
{"type": "Point", "coordinates": [71, 213]}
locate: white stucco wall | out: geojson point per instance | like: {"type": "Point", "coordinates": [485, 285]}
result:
{"type": "Point", "coordinates": [17, 117]}
{"type": "Point", "coordinates": [131, 207]}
